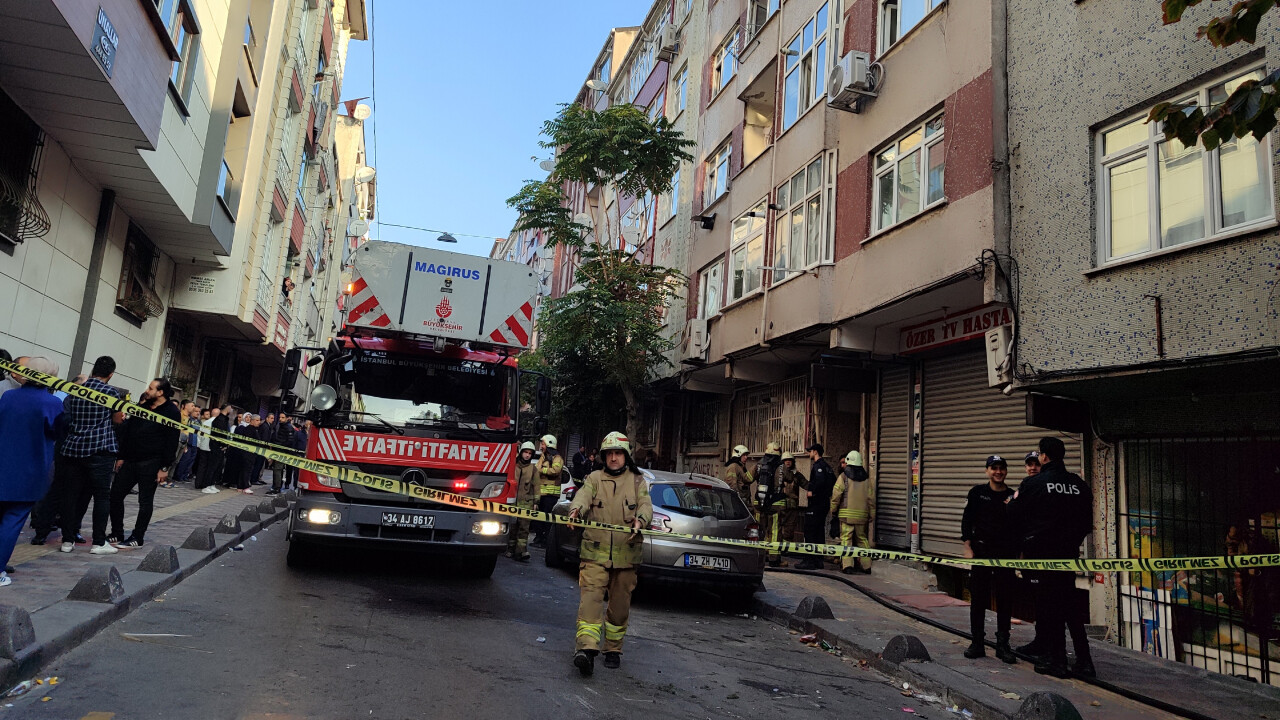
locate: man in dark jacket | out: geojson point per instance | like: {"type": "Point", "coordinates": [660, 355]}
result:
{"type": "Point", "coordinates": [1053, 512]}
{"type": "Point", "coordinates": [822, 480]}
{"type": "Point", "coordinates": [284, 435]}
{"type": "Point", "coordinates": [146, 448]}
{"type": "Point", "coordinates": [580, 467]}
{"type": "Point", "coordinates": [986, 532]}
{"type": "Point", "coordinates": [30, 420]}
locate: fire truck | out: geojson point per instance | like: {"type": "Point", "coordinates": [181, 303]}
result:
{"type": "Point", "coordinates": [422, 385]}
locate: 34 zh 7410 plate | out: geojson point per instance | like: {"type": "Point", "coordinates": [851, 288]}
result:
{"type": "Point", "coordinates": [713, 562]}
{"type": "Point", "coordinates": [408, 520]}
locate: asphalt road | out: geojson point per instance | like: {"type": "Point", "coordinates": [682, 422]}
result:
{"type": "Point", "coordinates": [366, 639]}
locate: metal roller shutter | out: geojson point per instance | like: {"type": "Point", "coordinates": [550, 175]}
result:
{"type": "Point", "coordinates": [964, 421]}
{"type": "Point", "coordinates": [893, 464]}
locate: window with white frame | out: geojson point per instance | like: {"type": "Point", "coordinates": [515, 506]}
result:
{"type": "Point", "coordinates": [801, 234]}
{"type": "Point", "coordinates": [725, 62]}
{"type": "Point", "coordinates": [897, 17]}
{"type": "Point", "coordinates": [673, 198]}
{"type": "Point", "coordinates": [640, 69]}
{"type": "Point", "coordinates": [710, 285]}
{"type": "Point", "coordinates": [717, 174]}
{"type": "Point", "coordinates": [746, 252]}
{"type": "Point", "coordinates": [909, 174]}
{"type": "Point", "coordinates": [805, 81]}
{"type": "Point", "coordinates": [758, 13]}
{"type": "Point", "coordinates": [1156, 193]}
{"type": "Point", "coordinates": [186, 38]}
{"type": "Point", "coordinates": [605, 69]}
{"type": "Point", "coordinates": [658, 107]}
{"type": "Point", "coordinates": [680, 90]}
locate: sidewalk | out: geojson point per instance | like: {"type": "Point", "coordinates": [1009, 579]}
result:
{"type": "Point", "coordinates": [43, 577]}
{"type": "Point", "coordinates": [988, 687]}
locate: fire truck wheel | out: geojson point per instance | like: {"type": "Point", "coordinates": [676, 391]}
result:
{"type": "Point", "coordinates": [301, 555]}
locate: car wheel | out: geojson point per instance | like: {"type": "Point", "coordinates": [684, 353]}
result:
{"type": "Point", "coordinates": [553, 558]}
{"type": "Point", "coordinates": [300, 555]}
{"type": "Point", "coordinates": [481, 567]}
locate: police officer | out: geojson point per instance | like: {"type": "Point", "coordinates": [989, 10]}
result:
{"type": "Point", "coordinates": [617, 495]}
{"type": "Point", "coordinates": [986, 532]}
{"type": "Point", "coordinates": [1053, 511]}
{"type": "Point", "coordinates": [767, 494]}
{"type": "Point", "coordinates": [821, 482]}
{"type": "Point", "coordinates": [853, 509]}
{"type": "Point", "coordinates": [1031, 462]}
{"type": "Point", "coordinates": [736, 475]}
{"type": "Point", "coordinates": [550, 467]}
{"type": "Point", "coordinates": [526, 497]}
{"type": "Point", "coordinates": [792, 483]}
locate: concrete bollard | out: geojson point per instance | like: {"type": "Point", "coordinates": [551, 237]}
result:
{"type": "Point", "coordinates": [266, 508]}
{"type": "Point", "coordinates": [200, 539]}
{"type": "Point", "coordinates": [814, 607]}
{"type": "Point", "coordinates": [16, 632]}
{"type": "Point", "coordinates": [250, 514]}
{"type": "Point", "coordinates": [229, 525]}
{"type": "Point", "coordinates": [100, 584]}
{"type": "Point", "coordinates": [1046, 706]}
{"type": "Point", "coordinates": [289, 495]}
{"type": "Point", "coordinates": [903, 648]}
{"type": "Point", "coordinates": [161, 559]}
{"type": "Point", "coordinates": [280, 501]}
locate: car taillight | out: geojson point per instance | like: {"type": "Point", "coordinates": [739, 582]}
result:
{"type": "Point", "coordinates": [660, 522]}
{"type": "Point", "coordinates": [569, 492]}
{"type": "Point", "coordinates": [753, 532]}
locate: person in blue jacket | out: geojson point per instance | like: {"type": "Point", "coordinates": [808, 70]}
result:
{"type": "Point", "coordinates": [30, 419]}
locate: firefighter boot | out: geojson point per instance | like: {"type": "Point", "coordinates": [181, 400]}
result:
{"type": "Point", "coordinates": [585, 661]}
{"type": "Point", "coordinates": [613, 660]}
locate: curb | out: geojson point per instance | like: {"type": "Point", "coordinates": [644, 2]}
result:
{"type": "Point", "coordinates": [66, 624]}
{"type": "Point", "coordinates": [903, 671]}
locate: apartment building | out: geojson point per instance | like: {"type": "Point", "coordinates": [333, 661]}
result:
{"type": "Point", "coordinates": [114, 117]}
{"type": "Point", "coordinates": [234, 320]}
{"type": "Point", "coordinates": [1148, 306]}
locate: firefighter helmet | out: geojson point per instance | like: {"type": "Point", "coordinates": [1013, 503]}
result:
{"type": "Point", "coordinates": [772, 448]}
{"type": "Point", "coordinates": [854, 458]}
{"type": "Point", "coordinates": [741, 450]}
{"type": "Point", "coordinates": [616, 441]}
{"type": "Point", "coordinates": [550, 440]}
{"type": "Point", "coordinates": [528, 446]}
{"type": "Point", "coordinates": [788, 456]}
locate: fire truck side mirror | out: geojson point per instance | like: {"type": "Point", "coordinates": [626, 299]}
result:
{"type": "Point", "coordinates": [292, 365]}
{"type": "Point", "coordinates": [543, 408]}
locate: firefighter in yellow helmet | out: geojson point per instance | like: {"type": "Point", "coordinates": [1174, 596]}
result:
{"type": "Point", "coordinates": [853, 509]}
{"type": "Point", "coordinates": [526, 498]}
{"type": "Point", "coordinates": [619, 495]}
{"type": "Point", "coordinates": [769, 498]}
{"type": "Point", "coordinates": [550, 471]}
{"type": "Point", "coordinates": [737, 476]}
{"type": "Point", "coordinates": [791, 483]}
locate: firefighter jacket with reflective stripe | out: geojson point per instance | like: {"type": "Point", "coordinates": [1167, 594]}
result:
{"type": "Point", "coordinates": [739, 479]}
{"type": "Point", "coordinates": [549, 469]}
{"type": "Point", "coordinates": [853, 500]}
{"type": "Point", "coordinates": [526, 482]}
{"type": "Point", "coordinates": [618, 501]}
{"type": "Point", "coordinates": [789, 486]}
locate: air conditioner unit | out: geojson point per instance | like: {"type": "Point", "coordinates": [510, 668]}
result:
{"type": "Point", "coordinates": [698, 345]}
{"type": "Point", "coordinates": [668, 44]}
{"type": "Point", "coordinates": [850, 81]}
{"type": "Point", "coordinates": [999, 356]}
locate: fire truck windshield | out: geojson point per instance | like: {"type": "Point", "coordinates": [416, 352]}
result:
{"type": "Point", "coordinates": [415, 390]}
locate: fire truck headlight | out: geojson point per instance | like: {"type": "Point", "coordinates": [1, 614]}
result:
{"type": "Point", "coordinates": [492, 490]}
{"type": "Point", "coordinates": [328, 481]}
{"type": "Point", "coordinates": [320, 516]}
{"type": "Point", "coordinates": [488, 527]}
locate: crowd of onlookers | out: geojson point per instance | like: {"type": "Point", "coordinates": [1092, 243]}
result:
{"type": "Point", "coordinates": [66, 454]}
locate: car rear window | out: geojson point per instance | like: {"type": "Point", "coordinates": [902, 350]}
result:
{"type": "Point", "coordinates": [699, 501]}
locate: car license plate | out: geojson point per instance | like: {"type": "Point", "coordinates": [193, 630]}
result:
{"type": "Point", "coordinates": [408, 520]}
{"type": "Point", "coordinates": [712, 562]}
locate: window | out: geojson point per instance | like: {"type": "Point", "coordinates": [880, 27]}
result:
{"type": "Point", "coordinates": [674, 195]}
{"type": "Point", "coordinates": [658, 107]}
{"type": "Point", "coordinates": [640, 69]}
{"type": "Point", "coordinates": [897, 17]}
{"type": "Point", "coordinates": [302, 182]}
{"type": "Point", "coordinates": [909, 174]}
{"type": "Point", "coordinates": [606, 67]}
{"type": "Point", "coordinates": [725, 62]}
{"type": "Point", "coordinates": [746, 254]}
{"type": "Point", "coordinates": [710, 284]}
{"type": "Point", "coordinates": [683, 8]}
{"type": "Point", "coordinates": [21, 214]}
{"type": "Point", "coordinates": [758, 13]}
{"type": "Point", "coordinates": [319, 79]}
{"type": "Point", "coordinates": [717, 174]}
{"type": "Point", "coordinates": [225, 180]}
{"type": "Point", "coordinates": [680, 89]}
{"type": "Point", "coordinates": [1155, 193]}
{"type": "Point", "coordinates": [799, 237]}
{"type": "Point", "coordinates": [806, 69]}
{"type": "Point", "coordinates": [186, 38]}
{"type": "Point", "coordinates": [136, 292]}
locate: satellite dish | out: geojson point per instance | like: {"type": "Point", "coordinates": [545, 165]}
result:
{"type": "Point", "coordinates": [548, 165]}
{"type": "Point", "coordinates": [365, 174]}
{"type": "Point", "coordinates": [582, 219]}
{"type": "Point", "coordinates": [631, 235]}
{"type": "Point", "coordinates": [597, 85]}
{"type": "Point", "coordinates": [358, 227]}
{"type": "Point", "coordinates": [362, 112]}
{"type": "Point", "coordinates": [538, 264]}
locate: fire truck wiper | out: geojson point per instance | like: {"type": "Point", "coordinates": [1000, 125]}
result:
{"type": "Point", "coordinates": [375, 416]}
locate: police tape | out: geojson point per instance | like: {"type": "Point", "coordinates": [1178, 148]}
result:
{"type": "Point", "coordinates": [400, 487]}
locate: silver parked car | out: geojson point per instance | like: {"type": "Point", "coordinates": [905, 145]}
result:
{"type": "Point", "coordinates": [690, 504]}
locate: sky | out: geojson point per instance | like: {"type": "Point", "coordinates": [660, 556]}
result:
{"type": "Point", "coordinates": [462, 90]}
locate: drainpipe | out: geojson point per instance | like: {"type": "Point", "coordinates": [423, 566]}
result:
{"type": "Point", "coordinates": [89, 301]}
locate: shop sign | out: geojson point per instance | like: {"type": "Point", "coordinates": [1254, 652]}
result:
{"type": "Point", "coordinates": [954, 328]}
{"type": "Point", "coordinates": [105, 42]}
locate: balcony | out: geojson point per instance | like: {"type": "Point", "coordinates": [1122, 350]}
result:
{"type": "Point", "coordinates": [295, 93]}
{"type": "Point", "coordinates": [297, 231]}
{"type": "Point", "coordinates": [281, 336]}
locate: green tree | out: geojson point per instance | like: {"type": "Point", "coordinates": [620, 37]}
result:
{"type": "Point", "coordinates": [1250, 109]}
{"type": "Point", "coordinates": [603, 342]}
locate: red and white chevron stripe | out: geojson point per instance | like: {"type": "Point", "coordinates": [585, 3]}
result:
{"type": "Point", "coordinates": [330, 446]}
{"type": "Point", "coordinates": [516, 329]}
{"type": "Point", "coordinates": [365, 308]}
{"type": "Point", "coordinates": [498, 460]}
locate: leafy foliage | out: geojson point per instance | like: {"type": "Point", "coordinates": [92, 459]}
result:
{"type": "Point", "coordinates": [601, 344]}
{"type": "Point", "coordinates": [1250, 109]}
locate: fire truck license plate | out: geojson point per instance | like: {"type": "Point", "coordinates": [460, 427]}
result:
{"type": "Point", "coordinates": [711, 562]}
{"type": "Point", "coordinates": [408, 520]}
